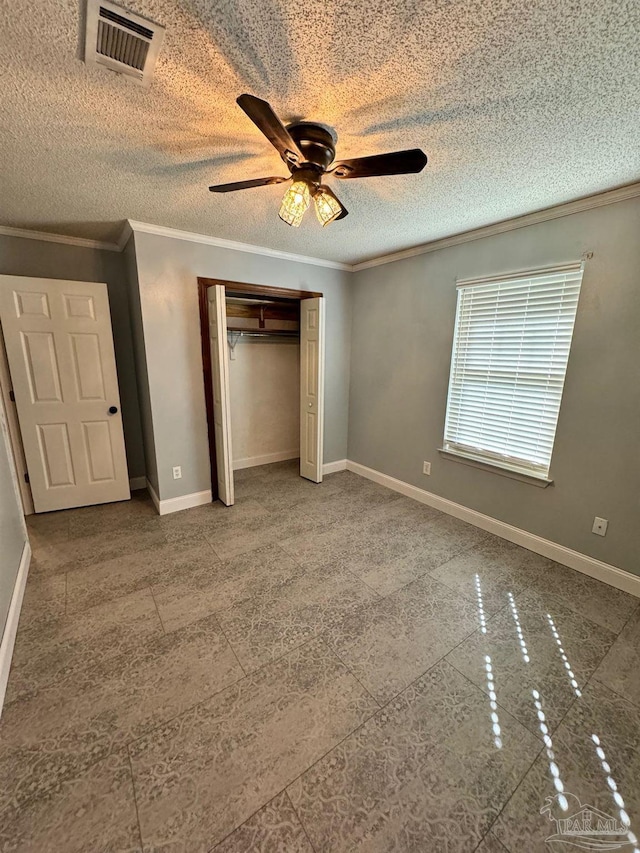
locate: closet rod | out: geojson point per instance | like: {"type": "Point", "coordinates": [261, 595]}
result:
{"type": "Point", "coordinates": [261, 333]}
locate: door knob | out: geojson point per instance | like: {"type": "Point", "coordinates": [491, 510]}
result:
{"type": "Point", "coordinates": [113, 410]}
{"type": "Point", "coordinates": [310, 404]}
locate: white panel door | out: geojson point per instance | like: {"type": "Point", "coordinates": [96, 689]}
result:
{"type": "Point", "coordinates": [63, 369]}
{"type": "Point", "coordinates": [311, 388]}
{"type": "Point", "coordinates": [221, 393]}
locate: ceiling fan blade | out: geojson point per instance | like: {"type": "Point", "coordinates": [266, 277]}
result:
{"type": "Point", "coordinates": [267, 121]}
{"type": "Point", "coordinates": [245, 185]}
{"type": "Point", "coordinates": [395, 163]}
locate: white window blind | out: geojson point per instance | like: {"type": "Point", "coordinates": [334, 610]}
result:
{"type": "Point", "coordinates": [510, 352]}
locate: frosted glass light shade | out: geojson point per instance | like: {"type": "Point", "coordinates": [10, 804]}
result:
{"type": "Point", "coordinates": [328, 207]}
{"type": "Point", "coordinates": [295, 202]}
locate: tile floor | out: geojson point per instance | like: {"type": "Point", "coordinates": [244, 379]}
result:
{"type": "Point", "coordinates": [319, 668]}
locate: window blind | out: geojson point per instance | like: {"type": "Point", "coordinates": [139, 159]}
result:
{"type": "Point", "coordinates": [510, 351]}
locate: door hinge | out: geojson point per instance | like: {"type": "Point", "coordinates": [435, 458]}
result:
{"type": "Point", "coordinates": [12, 396]}
{"type": "Point", "coordinates": [26, 478]}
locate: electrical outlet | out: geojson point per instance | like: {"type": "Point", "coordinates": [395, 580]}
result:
{"type": "Point", "coordinates": [426, 467]}
{"type": "Point", "coordinates": [600, 526]}
{"type": "Point", "coordinates": [177, 473]}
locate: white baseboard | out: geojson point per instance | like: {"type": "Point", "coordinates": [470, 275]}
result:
{"type": "Point", "coordinates": [154, 497]}
{"type": "Point", "coordinates": [176, 504]}
{"type": "Point", "coordinates": [574, 559]}
{"type": "Point", "coordinates": [332, 467]}
{"type": "Point", "coordinates": [13, 617]}
{"type": "Point", "coordinates": [136, 483]}
{"type": "Point", "coordinates": [267, 459]}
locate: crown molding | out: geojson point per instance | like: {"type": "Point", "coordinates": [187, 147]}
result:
{"type": "Point", "coordinates": [49, 237]}
{"type": "Point", "coordinates": [131, 226]}
{"type": "Point", "coordinates": [162, 231]}
{"type": "Point", "coordinates": [577, 206]}
{"type": "Point", "coordinates": [125, 235]}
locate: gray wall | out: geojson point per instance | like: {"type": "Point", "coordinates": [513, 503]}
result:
{"type": "Point", "coordinates": [403, 318]}
{"type": "Point", "coordinates": [38, 258]}
{"type": "Point", "coordinates": [12, 532]}
{"type": "Point", "coordinates": [140, 361]}
{"type": "Point", "coordinates": [167, 272]}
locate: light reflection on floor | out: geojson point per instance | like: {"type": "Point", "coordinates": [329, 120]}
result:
{"type": "Point", "coordinates": [565, 659]}
{"type": "Point", "coordinates": [560, 795]}
{"type": "Point", "coordinates": [516, 619]}
{"type": "Point", "coordinates": [488, 667]}
{"type": "Point", "coordinates": [625, 820]}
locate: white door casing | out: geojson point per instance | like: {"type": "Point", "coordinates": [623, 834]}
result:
{"type": "Point", "coordinates": [13, 428]}
{"type": "Point", "coordinates": [60, 351]}
{"type": "Point", "coordinates": [311, 388]}
{"type": "Point", "coordinates": [221, 391]}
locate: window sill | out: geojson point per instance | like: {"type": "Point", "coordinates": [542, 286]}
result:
{"type": "Point", "coordinates": [540, 482]}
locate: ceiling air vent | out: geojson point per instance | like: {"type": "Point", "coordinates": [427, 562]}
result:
{"type": "Point", "coordinates": [122, 41]}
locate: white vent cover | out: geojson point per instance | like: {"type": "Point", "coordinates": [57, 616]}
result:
{"type": "Point", "coordinates": [122, 41]}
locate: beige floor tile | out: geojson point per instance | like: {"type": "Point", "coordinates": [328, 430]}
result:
{"type": "Point", "coordinates": [620, 669]}
{"type": "Point", "coordinates": [92, 520]}
{"type": "Point", "coordinates": [56, 733]}
{"type": "Point", "coordinates": [204, 774]}
{"type": "Point", "coordinates": [596, 601]}
{"type": "Point", "coordinates": [212, 519]}
{"type": "Point", "coordinates": [86, 550]}
{"type": "Point", "coordinates": [190, 591]}
{"type": "Point", "coordinates": [531, 815]}
{"type": "Point", "coordinates": [45, 528]}
{"type": "Point", "coordinates": [424, 774]}
{"type": "Point", "coordinates": [74, 645]}
{"type": "Point", "coordinates": [279, 494]}
{"type": "Point", "coordinates": [391, 642]}
{"type": "Point", "coordinates": [274, 829]}
{"type": "Point", "coordinates": [490, 844]}
{"type": "Point", "coordinates": [388, 548]}
{"type": "Point", "coordinates": [582, 642]}
{"type": "Point", "coordinates": [499, 566]}
{"type": "Point", "coordinates": [44, 600]}
{"type": "Point", "coordinates": [260, 531]}
{"type": "Point", "coordinates": [103, 581]}
{"type": "Point", "coordinates": [94, 811]}
{"type": "Point", "coordinates": [268, 626]}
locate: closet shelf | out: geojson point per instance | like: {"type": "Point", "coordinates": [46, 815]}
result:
{"type": "Point", "coordinates": [261, 333]}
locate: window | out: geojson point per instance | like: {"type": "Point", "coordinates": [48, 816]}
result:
{"type": "Point", "coordinates": [510, 350]}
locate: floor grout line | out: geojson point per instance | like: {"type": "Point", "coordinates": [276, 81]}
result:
{"type": "Point", "coordinates": [150, 588]}
{"type": "Point", "coordinates": [135, 797]}
{"type": "Point", "coordinates": [346, 666]}
{"type": "Point", "coordinates": [224, 634]}
{"type": "Point", "coordinates": [301, 822]}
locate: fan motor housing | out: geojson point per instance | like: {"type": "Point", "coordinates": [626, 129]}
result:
{"type": "Point", "coordinates": [316, 142]}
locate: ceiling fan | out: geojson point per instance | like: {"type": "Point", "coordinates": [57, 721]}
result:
{"type": "Point", "coordinates": [309, 150]}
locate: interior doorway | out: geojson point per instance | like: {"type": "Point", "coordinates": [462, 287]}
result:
{"type": "Point", "coordinates": [232, 314]}
{"type": "Point", "coordinates": [60, 389]}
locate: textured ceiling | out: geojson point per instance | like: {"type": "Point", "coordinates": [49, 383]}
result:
{"type": "Point", "coordinates": [520, 104]}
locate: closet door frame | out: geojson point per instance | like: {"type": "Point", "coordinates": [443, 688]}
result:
{"type": "Point", "coordinates": [232, 288]}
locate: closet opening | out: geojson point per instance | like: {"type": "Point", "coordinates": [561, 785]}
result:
{"type": "Point", "coordinates": [263, 370]}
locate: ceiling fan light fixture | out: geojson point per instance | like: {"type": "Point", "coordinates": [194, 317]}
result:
{"type": "Point", "coordinates": [327, 205]}
{"type": "Point", "coordinates": [295, 203]}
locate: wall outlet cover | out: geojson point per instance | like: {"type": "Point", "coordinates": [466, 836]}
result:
{"type": "Point", "coordinates": [177, 472]}
{"type": "Point", "coordinates": [426, 467]}
{"type": "Point", "coordinates": [600, 526]}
